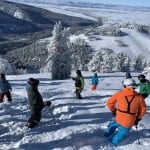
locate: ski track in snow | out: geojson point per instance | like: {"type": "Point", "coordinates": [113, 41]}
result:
{"type": "Point", "coordinates": [69, 124]}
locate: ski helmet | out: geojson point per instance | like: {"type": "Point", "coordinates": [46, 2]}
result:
{"type": "Point", "coordinates": [78, 72]}
{"type": "Point", "coordinates": [129, 83]}
{"type": "Point", "coordinates": [141, 76]}
{"type": "Point", "coordinates": [33, 81]}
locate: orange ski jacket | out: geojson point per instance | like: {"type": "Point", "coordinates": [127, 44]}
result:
{"type": "Point", "coordinates": [129, 106]}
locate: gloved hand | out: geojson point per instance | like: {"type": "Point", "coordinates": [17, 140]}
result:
{"type": "Point", "coordinates": [137, 121]}
{"type": "Point", "coordinates": [47, 103]}
{"type": "Point", "coordinates": [114, 113]}
{"type": "Point", "coordinates": [81, 89]}
{"type": "Point", "coordinates": [73, 78]}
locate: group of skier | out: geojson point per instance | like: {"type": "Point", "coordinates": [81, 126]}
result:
{"type": "Point", "coordinates": [79, 83]}
{"type": "Point", "coordinates": [127, 105]}
{"type": "Point", "coordinates": [36, 103]}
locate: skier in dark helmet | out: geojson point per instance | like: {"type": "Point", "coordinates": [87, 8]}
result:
{"type": "Point", "coordinates": [128, 75]}
{"type": "Point", "coordinates": [144, 85]}
{"type": "Point", "coordinates": [79, 84]}
{"type": "Point", "coordinates": [141, 77]}
{"type": "Point", "coordinates": [35, 102]}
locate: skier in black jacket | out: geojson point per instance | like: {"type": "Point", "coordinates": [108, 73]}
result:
{"type": "Point", "coordinates": [35, 102]}
{"type": "Point", "coordinates": [128, 75]}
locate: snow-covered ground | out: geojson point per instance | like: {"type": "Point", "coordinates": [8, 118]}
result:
{"type": "Point", "coordinates": [69, 124]}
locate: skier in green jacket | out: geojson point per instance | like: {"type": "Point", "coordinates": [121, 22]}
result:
{"type": "Point", "coordinates": [144, 86]}
{"type": "Point", "coordinates": [79, 84]}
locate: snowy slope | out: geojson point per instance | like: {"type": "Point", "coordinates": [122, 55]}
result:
{"type": "Point", "coordinates": [69, 124]}
{"type": "Point", "coordinates": [136, 43]}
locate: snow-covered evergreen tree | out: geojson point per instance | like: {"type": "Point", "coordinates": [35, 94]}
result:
{"type": "Point", "coordinates": [102, 61]}
{"type": "Point", "coordinates": [142, 28]}
{"type": "Point", "coordinates": [96, 62]}
{"type": "Point", "coordinates": [138, 64]}
{"type": "Point", "coordinates": [6, 67]}
{"type": "Point", "coordinates": [81, 54]}
{"type": "Point", "coordinates": [60, 53]}
{"type": "Point", "coordinates": [108, 60]}
{"type": "Point", "coordinates": [122, 62]}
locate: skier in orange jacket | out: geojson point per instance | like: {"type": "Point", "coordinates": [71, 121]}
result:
{"type": "Point", "coordinates": [129, 107]}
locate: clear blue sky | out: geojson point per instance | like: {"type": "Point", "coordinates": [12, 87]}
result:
{"type": "Point", "coordinates": [122, 2]}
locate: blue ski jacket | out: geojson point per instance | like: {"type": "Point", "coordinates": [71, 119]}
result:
{"type": "Point", "coordinates": [4, 86]}
{"type": "Point", "coordinates": [95, 79]}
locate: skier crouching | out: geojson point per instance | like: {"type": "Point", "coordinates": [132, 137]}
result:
{"type": "Point", "coordinates": [128, 107]}
{"type": "Point", "coordinates": [36, 103]}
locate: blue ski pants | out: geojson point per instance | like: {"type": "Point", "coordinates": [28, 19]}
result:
{"type": "Point", "coordinates": [118, 135]}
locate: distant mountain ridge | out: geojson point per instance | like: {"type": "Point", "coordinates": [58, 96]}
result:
{"type": "Point", "coordinates": [79, 3]}
{"type": "Point", "coordinates": [10, 24]}
{"type": "Point", "coordinates": [36, 18]}
{"type": "Point", "coordinates": [22, 25]}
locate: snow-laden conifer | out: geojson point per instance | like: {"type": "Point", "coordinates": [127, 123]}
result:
{"type": "Point", "coordinates": [6, 67]}
{"type": "Point", "coordinates": [138, 63]}
{"type": "Point", "coordinates": [122, 62]}
{"type": "Point", "coordinates": [59, 53]}
{"type": "Point", "coordinates": [81, 54]}
{"type": "Point", "coordinates": [102, 61]}
{"type": "Point", "coordinates": [96, 62]}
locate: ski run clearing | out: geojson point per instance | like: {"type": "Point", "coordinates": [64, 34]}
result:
{"type": "Point", "coordinates": [69, 124]}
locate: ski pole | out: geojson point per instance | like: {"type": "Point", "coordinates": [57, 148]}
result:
{"type": "Point", "coordinates": [52, 116]}
{"type": "Point", "coordinates": [137, 134]}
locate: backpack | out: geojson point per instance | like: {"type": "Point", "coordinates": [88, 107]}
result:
{"type": "Point", "coordinates": [78, 83]}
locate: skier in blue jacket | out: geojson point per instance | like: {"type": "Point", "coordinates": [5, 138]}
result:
{"type": "Point", "coordinates": [94, 81]}
{"type": "Point", "coordinates": [5, 88]}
